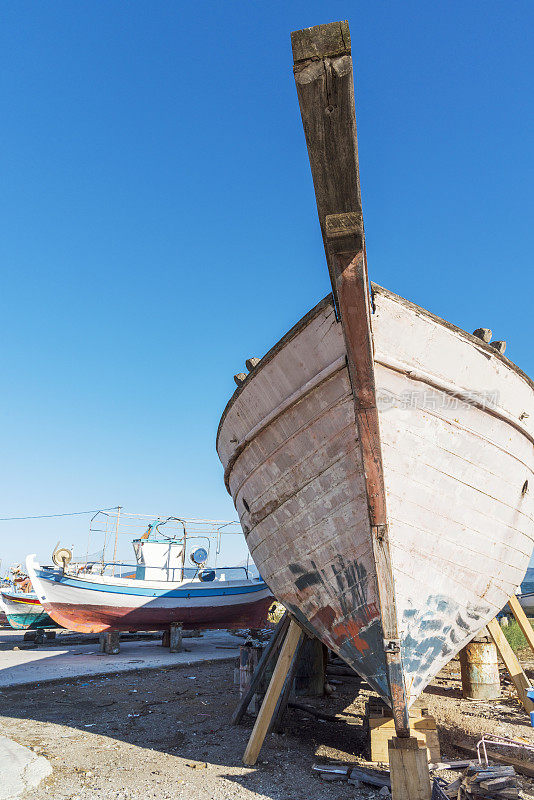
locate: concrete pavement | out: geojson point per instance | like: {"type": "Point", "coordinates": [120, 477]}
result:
{"type": "Point", "coordinates": [56, 661]}
{"type": "Point", "coordinates": [21, 769]}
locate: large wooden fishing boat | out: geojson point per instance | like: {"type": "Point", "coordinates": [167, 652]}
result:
{"type": "Point", "coordinates": [380, 459]}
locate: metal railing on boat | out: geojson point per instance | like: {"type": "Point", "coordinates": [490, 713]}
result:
{"type": "Point", "coordinates": [119, 569]}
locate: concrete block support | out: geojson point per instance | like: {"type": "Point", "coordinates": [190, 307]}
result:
{"type": "Point", "coordinates": [175, 638]}
{"type": "Point", "coordinates": [110, 642]}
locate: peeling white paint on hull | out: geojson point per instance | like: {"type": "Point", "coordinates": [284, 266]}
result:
{"type": "Point", "coordinates": [457, 433]}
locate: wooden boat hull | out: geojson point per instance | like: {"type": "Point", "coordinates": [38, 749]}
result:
{"type": "Point", "coordinates": [457, 428]}
{"type": "Point", "coordinates": [93, 604]}
{"type": "Point", "coordinates": [25, 612]}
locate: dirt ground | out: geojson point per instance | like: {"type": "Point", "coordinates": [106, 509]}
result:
{"type": "Point", "coordinates": [166, 735]}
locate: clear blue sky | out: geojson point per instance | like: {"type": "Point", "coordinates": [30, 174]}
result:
{"type": "Point", "coordinates": [159, 223]}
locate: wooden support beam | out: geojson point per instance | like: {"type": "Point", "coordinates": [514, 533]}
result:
{"type": "Point", "coordinates": [263, 720]}
{"type": "Point", "coordinates": [285, 694]}
{"type": "Point", "coordinates": [522, 620]}
{"type": "Point", "coordinates": [268, 653]}
{"type": "Point", "coordinates": [410, 778]}
{"type": "Point", "coordinates": [511, 662]}
{"type": "Point", "coordinates": [311, 671]}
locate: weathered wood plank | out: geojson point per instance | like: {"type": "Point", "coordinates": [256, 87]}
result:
{"type": "Point", "coordinates": [269, 652]}
{"type": "Point", "coordinates": [263, 720]}
{"type": "Point", "coordinates": [285, 694]}
{"type": "Point", "coordinates": [511, 662]}
{"type": "Point", "coordinates": [522, 620]}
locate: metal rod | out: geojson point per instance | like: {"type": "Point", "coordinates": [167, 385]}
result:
{"type": "Point", "coordinates": [116, 533]}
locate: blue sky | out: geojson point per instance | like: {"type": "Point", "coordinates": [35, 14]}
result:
{"type": "Point", "coordinates": [159, 223]}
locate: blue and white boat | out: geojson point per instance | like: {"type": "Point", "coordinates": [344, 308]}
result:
{"type": "Point", "coordinates": [157, 591]}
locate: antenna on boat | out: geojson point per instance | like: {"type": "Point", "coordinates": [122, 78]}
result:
{"type": "Point", "coordinates": [119, 508]}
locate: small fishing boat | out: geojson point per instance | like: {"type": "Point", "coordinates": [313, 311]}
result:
{"type": "Point", "coordinates": [381, 459]}
{"type": "Point", "coordinates": [160, 590]}
{"type": "Point", "coordinates": [24, 611]}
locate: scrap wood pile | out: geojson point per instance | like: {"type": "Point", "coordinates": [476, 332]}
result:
{"type": "Point", "coordinates": [479, 782]}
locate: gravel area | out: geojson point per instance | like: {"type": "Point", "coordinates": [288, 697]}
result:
{"type": "Point", "coordinates": [165, 734]}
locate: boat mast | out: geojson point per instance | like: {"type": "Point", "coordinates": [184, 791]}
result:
{"type": "Point", "coordinates": [116, 536]}
{"type": "Point", "coordinates": [325, 88]}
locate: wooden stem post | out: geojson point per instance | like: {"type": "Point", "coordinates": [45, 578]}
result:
{"type": "Point", "coordinates": [511, 662]}
{"type": "Point", "coordinates": [322, 66]}
{"type": "Point", "coordinates": [263, 721]}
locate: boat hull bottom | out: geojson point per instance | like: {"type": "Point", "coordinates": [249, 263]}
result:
{"type": "Point", "coordinates": [99, 618]}
{"type": "Point", "coordinates": [26, 622]}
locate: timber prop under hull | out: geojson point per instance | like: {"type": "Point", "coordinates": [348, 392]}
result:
{"type": "Point", "coordinates": [457, 432]}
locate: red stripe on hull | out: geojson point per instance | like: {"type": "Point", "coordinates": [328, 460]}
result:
{"type": "Point", "coordinates": [28, 601]}
{"type": "Point", "coordinates": [96, 619]}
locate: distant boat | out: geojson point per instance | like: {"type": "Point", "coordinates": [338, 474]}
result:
{"type": "Point", "coordinates": [381, 459]}
{"type": "Point", "coordinates": [25, 612]}
{"type": "Point", "coordinates": [3, 615]}
{"type": "Point", "coordinates": [526, 593]}
{"type": "Point", "coordinates": [163, 591]}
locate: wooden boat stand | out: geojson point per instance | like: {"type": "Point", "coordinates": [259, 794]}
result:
{"type": "Point", "coordinates": [287, 638]}
{"type": "Point", "coordinates": [408, 761]}
{"type": "Point", "coordinates": [509, 658]}
{"type": "Point", "coordinates": [110, 640]}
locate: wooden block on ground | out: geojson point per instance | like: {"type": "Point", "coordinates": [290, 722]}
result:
{"type": "Point", "coordinates": [110, 642]}
{"type": "Point", "coordinates": [376, 707]}
{"type": "Point", "coordinates": [175, 638]}
{"type": "Point", "coordinates": [423, 729]}
{"type": "Point", "coordinates": [410, 778]}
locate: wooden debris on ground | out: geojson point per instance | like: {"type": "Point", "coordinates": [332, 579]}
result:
{"type": "Point", "coordinates": [479, 782]}
{"type": "Point", "coordinates": [354, 775]}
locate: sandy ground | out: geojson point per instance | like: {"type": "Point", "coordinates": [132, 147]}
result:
{"type": "Point", "coordinates": [165, 734]}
